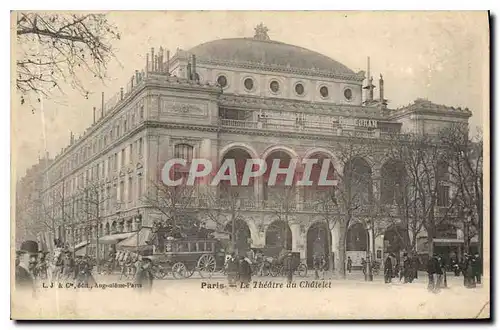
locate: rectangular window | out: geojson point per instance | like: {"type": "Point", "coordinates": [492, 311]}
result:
{"type": "Point", "coordinates": [131, 152]}
{"type": "Point", "coordinates": [122, 192]}
{"type": "Point", "coordinates": [116, 161]}
{"type": "Point", "coordinates": [124, 125]}
{"type": "Point", "coordinates": [139, 148]}
{"type": "Point", "coordinates": [130, 190]}
{"type": "Point", "coordinates": [443, 196]}
{"type": "Point", "coordinates": [139, 187]}
{"type": "Point", "coordinates": [123, 157]}
{"type": "Point", "coordinates": [141, 112]}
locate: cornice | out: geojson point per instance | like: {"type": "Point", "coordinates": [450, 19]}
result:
{"type": "Point", "coordinates": [152, 80]}
{"type": "Point", "coordinates": [257, 103]}
{"type": "Point", "coordinates": [427, 107]}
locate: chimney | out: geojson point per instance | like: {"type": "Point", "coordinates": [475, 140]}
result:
{"type": "Point", "coordinates": [137, 77]}
{"type": "Point", "coordinates": [71, 138]}
{"type": "Point", "coordinates": [168, 62]}
{"type": "Point", "coordinates": [93, 110]}
{"type": "Point", "coordinates": [189, 71]}
{"type": "Point", "coordinates": [160, 59]}
{"type": "Point", "coordinates": [132, 82]}
{"type": "Point", "coordinates": [381, 86]}
{"type": "Point", "coordinates": [147, 62]}
{"type": "Point", "coordinates": [121, 93]}
{"type": "Point", "coordinates": [194, 67]}
{"type": "Point", "coordinates": [369, 96]}
{"type": "Point", "coordinates": [153, 59]}
{"type": "Point", "coordinates": [102, 104]}
{"type": "Point", "coordinates": [370, 85]}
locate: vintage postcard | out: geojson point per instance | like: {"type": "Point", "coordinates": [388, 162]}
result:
{"type": "Point", "coordinates": [250, 165]}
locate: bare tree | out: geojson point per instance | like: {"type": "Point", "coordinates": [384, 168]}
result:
{"type": "Point", "coordinates": [329, 208]}
{"type": "Point", "coordinates": [424, 203]}
{"type": "Point", "coordinates": [465, 156]}
{"type": "Point", "coordinates": [55, 47]}
{"type": "Point", "coordinates": [353, 194]}
{"type": "Point", "coordinates": [217, 204]}
{"type": "Point", "coordinates": [177, 205]}
{"type": "Point", "coordinates": [284, 206]}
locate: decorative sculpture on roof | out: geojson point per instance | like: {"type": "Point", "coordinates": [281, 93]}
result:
{"type": "Point", "coordinates": [261, 32]}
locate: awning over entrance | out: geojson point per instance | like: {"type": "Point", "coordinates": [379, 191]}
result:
{"type": "Point", "coordinates": [81, 251]}
{"type": "Point", "coordinates": [113, 239]}
{"type": "Point", "coordinates": [452, 241]}
{"type": "Point", "coordinates": [136, 240]}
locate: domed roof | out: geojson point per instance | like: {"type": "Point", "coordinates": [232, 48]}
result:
{"type": "Point", "coordinates": [267, 52]}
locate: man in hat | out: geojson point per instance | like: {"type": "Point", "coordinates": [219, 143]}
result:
{"type": "Point", "coordinates": [27, 256]}
{"type": "Point", "coordinates": [388, 269]}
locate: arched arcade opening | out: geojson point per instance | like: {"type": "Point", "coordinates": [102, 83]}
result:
{"type": "Point", "coordinates": [317, 239]}
{"type": "Point", "coordinates": [278, 236]}
{"type": "Point", "coordinates": [242, 235]}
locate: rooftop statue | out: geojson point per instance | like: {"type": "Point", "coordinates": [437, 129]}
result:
{"type": "Point", "coordinates": [261, 32]}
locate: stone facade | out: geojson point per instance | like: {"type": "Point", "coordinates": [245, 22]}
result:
{"type": "Point", "coordinates": [179, 103]}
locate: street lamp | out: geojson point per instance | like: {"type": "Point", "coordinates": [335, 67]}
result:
{"type": "Point", "coordinates": [138, 221]}
{"type": "Point", "coordinates": [368, 273]}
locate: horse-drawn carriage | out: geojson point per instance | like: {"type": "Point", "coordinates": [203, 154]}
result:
{"type": "Point", "coordinates": [183, 257]}
{"type": "Point", "coordinates": [276, 262]}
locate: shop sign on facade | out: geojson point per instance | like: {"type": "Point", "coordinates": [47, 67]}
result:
{"type": "Point", "coordinates": [350, 121]}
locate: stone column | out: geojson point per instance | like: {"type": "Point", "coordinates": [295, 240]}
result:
{"type": "Point", "coordinates": [376, 183]}
{"type": "Point", "coordinates": [335, 245]}
{"type": "Point", "coordinates": [371, 243]}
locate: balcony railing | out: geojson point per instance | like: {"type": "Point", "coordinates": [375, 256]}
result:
{"type": "Point", "coordinates": [288, 126]}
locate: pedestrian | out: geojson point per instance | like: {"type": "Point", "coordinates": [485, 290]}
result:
{"type": "Point", "coordinates": [68, 266]}
{"type": "Point", "coordinates": [407, 269]}
{"type": "Point", "coordinates": [289, 267]}
{"type": "Point", "coordinates": [477, 268]}
{"type": "Point", "coordinates": [349, 264]}
{"type": "Point", "coordinates": [434, 273]}
{"type": "Point", "coordinates": [415, 263]}
{"type": "Point", "coordinates": [27, 256]}
{"type": "Point", "coordinates": [232, 270]}
{"type": "Point", "coordinates": [469, 278]}
{"type": "Point", "coordinates": [144, 276]}
{"type": "Point", "coordinates": [388, 269]}
{"type": "Point", "coordinates": [363, 265]}
{"type": "Point", "coordinates": [317, 266]}
{"type": "Point", "coordinates": [245, 271]}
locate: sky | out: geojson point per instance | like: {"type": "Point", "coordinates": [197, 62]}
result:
{"type": "Point", "coordinates": [440, 56]}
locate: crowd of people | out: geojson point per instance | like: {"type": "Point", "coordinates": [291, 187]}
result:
{"type": "Point", "coordinates": [33, 264]}
{"type": "Point", "coordinates": [470, 267]}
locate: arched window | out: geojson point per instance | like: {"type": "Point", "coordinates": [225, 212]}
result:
{"type": "Point", "coordinates": [358, 179]}
{"type": "Point", "coordinates": [184, 151]}
{"type": "Point", "coordinates": [392, 182]}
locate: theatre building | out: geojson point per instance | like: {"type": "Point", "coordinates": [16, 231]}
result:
{"type": "Point", "coordinates": [240, 98]}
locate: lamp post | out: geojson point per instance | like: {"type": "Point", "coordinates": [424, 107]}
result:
{"type": "Point", "coordinates": [368, 273]}
{"type": "Point", "coordinates": [138, 221]}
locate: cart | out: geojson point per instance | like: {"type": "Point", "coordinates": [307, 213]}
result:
{"type": "Point", "coordinates": [184, 257]}
{"type": "Point", "coordinates": [279, 266]}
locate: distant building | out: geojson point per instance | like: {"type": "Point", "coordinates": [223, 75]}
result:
{"type": "Point", "coordinates": [239, 98]}
{"type": "Point", "coordinates": [28, 211]}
